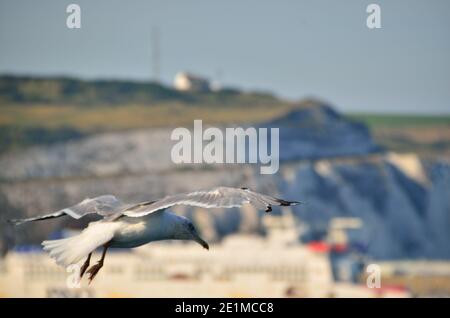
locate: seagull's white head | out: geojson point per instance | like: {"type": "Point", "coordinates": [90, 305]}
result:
{"type": "Point", "coordinates": [187, 231]}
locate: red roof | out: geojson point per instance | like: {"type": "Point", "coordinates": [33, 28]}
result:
{"type": "Point", "coordinates": [319, 246]}
{"type": "Point", "coordinates": [324, 247]}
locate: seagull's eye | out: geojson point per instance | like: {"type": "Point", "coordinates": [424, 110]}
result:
{"type": "Point", "coordinates": [191, 227]}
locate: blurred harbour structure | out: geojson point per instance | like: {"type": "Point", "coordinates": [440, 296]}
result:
{"type": "Point", "coordinates": [241, 266]}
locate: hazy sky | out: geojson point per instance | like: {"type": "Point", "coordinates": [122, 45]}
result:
{"type": "Point", "coordinates": [292, 48]}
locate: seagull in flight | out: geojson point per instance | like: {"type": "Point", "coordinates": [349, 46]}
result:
{"type": "Point", "coordinates": [132, 225]}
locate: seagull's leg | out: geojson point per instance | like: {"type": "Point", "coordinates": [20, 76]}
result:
{"type": "Point", "coordinates": [85, 265]}
{"type": "Point", "coordinates": [94, 269]}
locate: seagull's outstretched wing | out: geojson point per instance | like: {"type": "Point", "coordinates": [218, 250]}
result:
{"type": "Point", "coordinates": [221, 197]}
{"type": "Point", "coordinates": [103, 205]}
{"type": "Point", "coordinates": [110, 207]}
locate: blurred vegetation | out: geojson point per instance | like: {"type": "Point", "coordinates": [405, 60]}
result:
{"type": "Point", "coordinates": [12, 137]}
{"type": "Point", "coordinates": [422, 134]}
{"type": "Point", "coordinates": [63, 91]}
{"type": "Point", "coordinates": [46, 110]}
{"type": "Point", "coordinates": [401, 120]}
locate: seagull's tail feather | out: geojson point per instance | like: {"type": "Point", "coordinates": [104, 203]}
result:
{"type": "Point", "coordinates": [73, 249]}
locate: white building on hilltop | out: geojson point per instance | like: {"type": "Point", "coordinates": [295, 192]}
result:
{"type": "Point", "coordinates": [191, 83]}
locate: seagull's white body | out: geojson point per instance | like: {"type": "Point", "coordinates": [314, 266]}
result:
{"type": "Point", "coordinates": [134, 232]}
{"type": "Point", "coordinates": [131, 225]}
{"type": "Point", "coordinates": [125, 232]}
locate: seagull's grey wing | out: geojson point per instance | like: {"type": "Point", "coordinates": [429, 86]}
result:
{"type": "Point", "coordinates": [103, 205]}
{"type": "Point", "coordinates": [222, 197]}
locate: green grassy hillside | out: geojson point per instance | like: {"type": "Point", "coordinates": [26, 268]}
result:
{"type": "Point", "coordinates": [401, 120]}
{"type": "Point", "coordinates": [423, 134]}
{"type": "Point", "coordinates": [45, 110]}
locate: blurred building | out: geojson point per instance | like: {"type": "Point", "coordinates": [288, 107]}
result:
{"type": "Point", "coordinates": [241, 266]}
{"type": "Point", "coordinates": [187, 82]}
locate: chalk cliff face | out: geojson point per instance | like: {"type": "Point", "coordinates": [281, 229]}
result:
{"type": "Point", "coordinates": [320, 132]}
{"type": "Point", "coordinates": [309, 133]}
{"type": "Point", "coordinates": [404, 201]}
{"type": "Point", "coordinates": [404, 215]}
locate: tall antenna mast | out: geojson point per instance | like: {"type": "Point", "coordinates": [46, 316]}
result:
{"type": "Point", "coordinates": [155, 54]}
